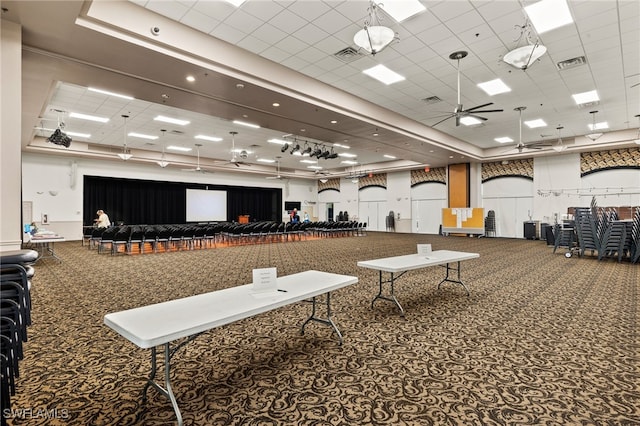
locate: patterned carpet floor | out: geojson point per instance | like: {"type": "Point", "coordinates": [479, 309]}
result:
{"type": "Point", "coordinates": [542, 339]}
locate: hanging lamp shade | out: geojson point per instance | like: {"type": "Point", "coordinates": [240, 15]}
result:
{"type": "Point", "coordinates": [125, 155]}
{"type": "Point", "coordinates": [523, 57]}
{"type": "Point", "coordinates": [374, 39]}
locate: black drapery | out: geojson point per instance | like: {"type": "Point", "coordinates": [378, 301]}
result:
{"type": "Point", "coordinates": [135, 201]}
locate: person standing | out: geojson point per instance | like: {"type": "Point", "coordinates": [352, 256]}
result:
{"type": "Point", "coordinates": [103, 220]}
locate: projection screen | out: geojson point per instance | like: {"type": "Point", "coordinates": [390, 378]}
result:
{"type": "Point", "coordinates": [206, 206]}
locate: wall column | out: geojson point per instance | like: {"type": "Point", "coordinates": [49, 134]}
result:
{"type": "Point", "coordinates": [10, 136]}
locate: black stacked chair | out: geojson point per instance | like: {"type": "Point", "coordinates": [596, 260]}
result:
{"type": "Point", "coordinates": [121, 239]}
{"type": "Point", "coordinates": [136, 237]}
{"type": "Point", "coordinates": [107, 238]}
{"type": "Point", "coordinates": [15, 317]}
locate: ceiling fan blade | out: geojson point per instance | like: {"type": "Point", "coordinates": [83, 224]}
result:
{"type": "Point", "coordinates": [479, 106]}
{"type": "Point", "coordinates": [444, 119]}
{"type": "Point", "coordinates": [477, 117]}
{"type": "Point", "coordinates": [487, 110]}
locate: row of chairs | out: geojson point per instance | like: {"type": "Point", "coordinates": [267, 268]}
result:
{"type": "Point", "coordinates": [15, 316]}
{"type": "Point", "coordinates": [138, 238]}
{"type": "Point", "coordinates": [600, 231]}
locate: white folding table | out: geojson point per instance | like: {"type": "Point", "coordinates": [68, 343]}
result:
{"type": "Point", "coordinates": [163, 323]}
{"type": "Point", "coordinates": [402, 264]}
{"type": "Point", "coordinates": [44, 245]}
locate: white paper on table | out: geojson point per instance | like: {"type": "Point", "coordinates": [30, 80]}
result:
{"type": "Point", "coordinates": [424, 250]}
{"type": "Point", "coordinates": [265, 280]}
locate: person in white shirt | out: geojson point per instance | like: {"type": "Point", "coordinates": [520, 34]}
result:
{"type": "Point", "coordinates": [103, 220]}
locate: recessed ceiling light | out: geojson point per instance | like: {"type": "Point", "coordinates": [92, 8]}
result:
{"type": "Point", "coordinates": [106, 92]}
{"type": "Point", "coordinates": [308, 161]}
{"type": "Point", "coordinates": [376, 134]}
{"type": "Point", "coordinates": [389, 156]}
{"type": "Point", "coordinates": [178, 148]}
{"type": "Point", "coordinates": [190, 78]}
{"type": "Point", "coordinates": [88, 117]}
{"type": "Point", "coordinates": [383, 74]}
{"type": "Point", "coordinates": [334, 121]}
{"type": "Point", "coordinates": [599, 126]}
{"type": "Point", "coordinates": [142, 136]}
{"type": "Point", "coordinates": [244, 123]}
{"type": "Point", "coordinates": [177, 121]}
{"type": "Point", "coordinates": [547, 15]}
{"type": "Point", "coordinates": [503, 139]}
{"type": "Point", "coordinates": [402, 9]}
{"type": "Point", "coordinates": [277, 141]}
{"type": "Point", "coordinates": [586, 97]}
{"type": "Point", "coordinates": [532, 124]}
{"type": "Point", "coordinates": [339, 145]}
{"type": "Point", "coordinates": [347, 155]}
{"type": "Point", "coordinates": [494, 87]}
{"type": "Point", "coordinates": [208, 138]}
{"type": "Point", "coordinates": [275, 104]}
{"type": "Point", "coordinates": [266, 160]}
{"type": "Point", "coordinates": [315, 167]}
{"type": "Point", "coordinates": [350, 162]}
{"type": "Point", "coordinates": [451, 156]}
{"type": "Point", "coordinates": [470, 121]}
{"type": "Point", "coordinates": [79, 135]}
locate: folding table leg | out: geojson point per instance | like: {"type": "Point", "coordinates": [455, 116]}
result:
{"type": "Point", "coordinates": [166, 391]}
{"type": "Point", "coordinates": [328, 321]}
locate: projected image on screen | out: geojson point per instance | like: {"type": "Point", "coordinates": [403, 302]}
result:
{"type": "Point", "coordinates": [206, 206]}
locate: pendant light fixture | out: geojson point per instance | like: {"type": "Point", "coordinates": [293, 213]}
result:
{"type": "Point", "coordinates": [559, 147]}
{"type": "Point", "coordinates": [594, 135]}
{"type": "Point", "coordinates": [162, 163]}
{"type": "Point", "coordinates": [125, 155]}
{"type": "Point", "coordinates": [524, 56]}
{"type": "Point", "coordinates": [374, 37]}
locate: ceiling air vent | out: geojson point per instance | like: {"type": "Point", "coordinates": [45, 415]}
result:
{"type": "Point", "coordinates": [348, 54]}
{"type": "Point", "coordinates": [432, 100]}
{"type": "Point", "coordinates": [571, 63]}
{"type": "Point", "coordinates": [588, 104]}
{"type": "Point", "coordinates": [176, 132]}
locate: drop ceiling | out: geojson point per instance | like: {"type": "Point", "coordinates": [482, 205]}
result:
{"type": "Point", "coordinates": [264, 52]}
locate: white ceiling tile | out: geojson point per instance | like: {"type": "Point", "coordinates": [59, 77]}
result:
{"type": "Point", "coordinates": [292, 45]}
{"type": "Point", "coordinates": [242, 21]}
{"type": "Point", "coordinates": [463, 22]}
{"type": "Point", "coordinates": [228, 33]}
{"type": "Point", "coordinates": [263, 10]}
{"type": "Point", "coordinates": [287, 21]}
{"type": "Point", "coordinates": [253, 44]}
{"type": "Point", "coordinates": [199, 21]}
{"type": "Point", "coordinates": [444, 12]}
{"type": "Point", "coordinates": [309, 10]}
{"type": "Point", "coordinates": [170, 8]}
{"type": "Point", "coordinates": [332, 22]}
{"type": "Point", "coordinates": [219, 10]}
{"type": "Point", "coordinates": [269, 34]}
{"type": "Point", "coordinates": [275, 54]}
{"type": "Point", "coordinates": [310, 34]}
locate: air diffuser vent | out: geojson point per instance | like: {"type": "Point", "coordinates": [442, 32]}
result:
{"type": "Point", "coordinates": [571, 63]}
{"type": "Point", "coordinates": [348, 54]}
{"type": "Point", "coordinates": [432, 100]}
{"type": "Point", "coordinates": [588, 104]}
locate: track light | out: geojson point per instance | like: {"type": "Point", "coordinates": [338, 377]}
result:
{"type": "Point", "coordinates": [295, 148]}
{"type": "Point", "coordinates": [284, 147]}
{"type": "Point", "coordinates": [307, 150]}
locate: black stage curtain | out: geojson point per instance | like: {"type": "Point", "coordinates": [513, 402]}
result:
{"type": "Point", "coordinates": [134, 201]}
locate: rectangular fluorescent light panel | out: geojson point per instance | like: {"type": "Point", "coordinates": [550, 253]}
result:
{"type": "Point", "coordinates": [315, 167]}
{"type": "Point", "coordinates": [547, 15]}
{"type": "Point", "coordinates": [142, 136]}
{"type": "Point", "coordinates": [106, 92]}
{"type": "Point", "coordinates": [599, 126]}
{"type": "Point", "coordinates": [88, 117]}
{"type": "Point", "coordinates": [309, 161]}
{"type": "Point", "coordinates": [586, 97]}
{"type": "Point", "coordinates": [236, 3]}
{"type": "Point", "coordinates": [402, 9]}
{"type": "Point", "coordinates": [350, 162]}
{"type": "Point", "coordinates": [532, 124]}
{"type": "Point", "coordinates": [339, 145]}
{"type": "Point", "coordinates": [347, 155]}
{"type": "Point", "coordinates": [266, 160]}
{"type": "Point", "coordinates": [470, 121]}
{"type": "Point", "coordinates": [79, 135]}
{"type": "Point", "coordinates": [383, 74]}
{"type": "Point", "coordinates": [178, 148]}
{"type": "Point", "coordinates": [503, 139]}
{"type": "Point", "coordinates": [208, 138]}
{"type": "Point", "coordinates": [244, 123]}
{"type": "Point", "coordinates": [494, 87]}
{"type": "Point", "coordinates": [391, 157]}
{"type": "Point", "coordinates": [277, 141]}
{"type": "Point", "coordinates": [172, 120]}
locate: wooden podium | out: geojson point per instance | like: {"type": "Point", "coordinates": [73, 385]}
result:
{"type": "Point", "coordinates": [243, 218]}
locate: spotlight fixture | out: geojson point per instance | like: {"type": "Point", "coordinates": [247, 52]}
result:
{"type": "Point", "coordinates": [59, 137]}
{"type": "Point", "coordinates": [307, 149]}
{"type": "Point", "coordinates": [284, 147]}
{"type": "Point", "coordinates": [125, 155]}
{"type": "Point", "coordinates": [374, 37]}
{"type": "Point", "coordinates": [295, 149]}
{"type": "Point", "coordinates": [594, 135]}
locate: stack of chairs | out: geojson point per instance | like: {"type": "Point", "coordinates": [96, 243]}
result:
{"type": "Point", "coordinates": [635, 236]}
{"type": "Point", "coordinates": [15, 317]}
{"type": "Point", "coordinates": [589, 229]}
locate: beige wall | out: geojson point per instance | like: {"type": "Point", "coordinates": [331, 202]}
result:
{"type": "Point", "coordinates": [10, 125]}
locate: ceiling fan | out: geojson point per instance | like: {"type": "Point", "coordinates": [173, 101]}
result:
{"type": "Point", "coordinates": [522, 146]}
{"type": "Point", "coordinates": [277, 176]}
{"type": "Point", "coordinates": [459, 112]}
{"type": "Point", "coordinates": [197, 168]}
